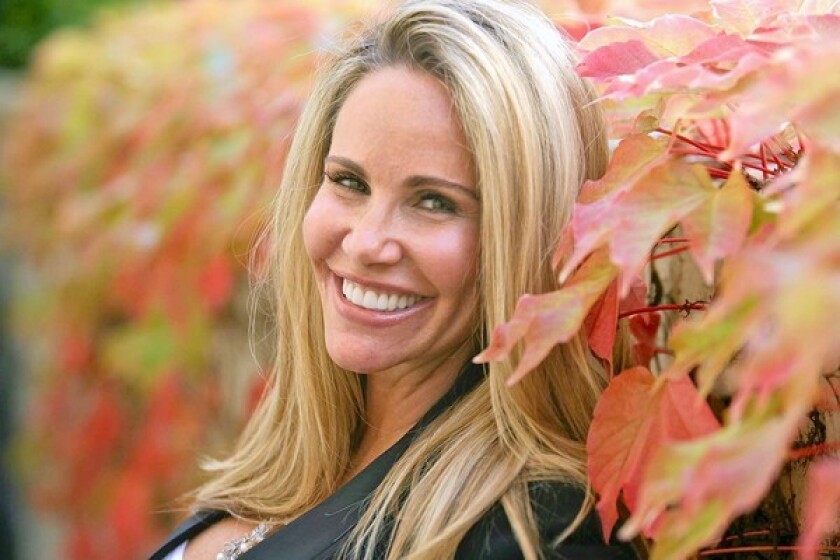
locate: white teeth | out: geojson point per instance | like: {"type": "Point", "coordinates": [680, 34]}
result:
{"type": "Point", "coordinates": [378, 301]}
{"type": "Point", "coordinates": [370, 299]}
{"type": "Point", "coordinates": [357, 296]}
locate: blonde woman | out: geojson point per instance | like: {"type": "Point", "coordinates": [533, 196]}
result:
{"type": "Point", "coordinates": [431, 171]}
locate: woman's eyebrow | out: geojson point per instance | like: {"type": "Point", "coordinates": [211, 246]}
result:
{"type": "Point", "coordinates": [415, 181]}
{"type": "Point", "coordinates": [349, 164]}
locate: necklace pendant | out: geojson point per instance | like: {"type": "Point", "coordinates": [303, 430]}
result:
{"type": "Point", "coordinates": [233, 549]}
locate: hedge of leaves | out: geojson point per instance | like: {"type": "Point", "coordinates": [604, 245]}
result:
{"type": "Point", "coordinates": [730, 134]}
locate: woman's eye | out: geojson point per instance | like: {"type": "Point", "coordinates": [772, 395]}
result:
{"type": "Point", "coordinates": [437, 203]}
{"type": "Point", "coordinates": [347, 181]}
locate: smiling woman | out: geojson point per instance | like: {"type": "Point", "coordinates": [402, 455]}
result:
{"type": "Point", "coordinates": [434, 165]}
{"type": "Point", "coordinates": [396, 220]}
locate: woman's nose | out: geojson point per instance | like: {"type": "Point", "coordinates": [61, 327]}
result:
{"type": "Point", "coordinates": [373, 236]}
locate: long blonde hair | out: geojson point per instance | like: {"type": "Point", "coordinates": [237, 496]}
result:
{"type": "Point", "coordinates": [535, 136]}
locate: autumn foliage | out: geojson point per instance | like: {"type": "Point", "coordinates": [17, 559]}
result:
{"type": "Point", "coordinates": [143, 159]}
{"type": "Point", "coordinates": [729, 151]}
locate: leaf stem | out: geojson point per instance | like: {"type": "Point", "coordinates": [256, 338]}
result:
{"type": "Point", "coordinates": [706, 148]}
{"type": "Point", "coordinates": [719, 173]}
{"type": "Point", "coordinates": [686, 307]}
{"type": "Point", "coordinates": [813, 450]}
{"type": "Point", "coordinates": [764, 159]}
{"type": "Point", "coordinates": [673, 240]}
{"type": "Point", "coordinates": [669, 253]}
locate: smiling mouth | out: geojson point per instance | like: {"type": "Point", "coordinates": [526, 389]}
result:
{"type": "Point", "coordinates": [376, 301]}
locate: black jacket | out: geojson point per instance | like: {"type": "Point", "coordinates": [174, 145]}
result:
{"type": "Point", "coordinates": [319, 533]}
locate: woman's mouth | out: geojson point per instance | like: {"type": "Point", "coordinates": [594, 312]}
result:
{"type": "Point", "coordinates": [377, 300]}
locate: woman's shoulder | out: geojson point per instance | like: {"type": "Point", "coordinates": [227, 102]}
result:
{"type": "Point", "coordinates": [555, 506]}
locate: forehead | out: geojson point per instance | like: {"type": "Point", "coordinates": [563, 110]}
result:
{"type": "Point", "coordinates": [401, 117]}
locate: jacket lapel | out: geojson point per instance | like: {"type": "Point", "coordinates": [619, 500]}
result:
{"type": "Point", "coordinates": [319, 533]}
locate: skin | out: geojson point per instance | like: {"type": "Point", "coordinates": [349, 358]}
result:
{"type": "Point", "coordinates": [397, 211]}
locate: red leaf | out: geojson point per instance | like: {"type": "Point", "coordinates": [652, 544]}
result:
{"type": "Point", "coordinates": [822, 506]}
{"type": "Point", "coordinates": [601, 323]}
{"type": "Point", "coordinates": [644, 328]}
{"type": "Point", "coordinates": [636, 415]}
{"type": "Point", "coordinates": [75, 352]}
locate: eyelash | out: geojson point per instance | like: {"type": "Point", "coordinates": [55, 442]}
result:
{"type": "Point", "coordinates": [338, 178]}
{"type": "Point", "coordinates": [445, 205]}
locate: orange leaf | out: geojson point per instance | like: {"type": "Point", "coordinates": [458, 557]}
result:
{"type": "Point", "coordinates": [822, 506]}
{"type": "Point", "coordinates": [636, 415]}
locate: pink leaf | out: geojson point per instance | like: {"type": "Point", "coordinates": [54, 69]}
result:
{"type": "Point", "coordinates": [803, 92]}
{"type": "Point", "coordinates": [542, 321]}
{"type": "Point", "coordinates": [744, 16]}
{"type": "Point", "coordinates": [616, 59]}
{"type": "Point", "coordinates": [669, 35]}
{"type": "Point", "coordinates": [654, 204]}
{"type": "Point", "coordinates": [822, 506]}
{"type": "Point", "coordinates": [718, 227]}
{"type": "Point", "coordinates": [593, 214]}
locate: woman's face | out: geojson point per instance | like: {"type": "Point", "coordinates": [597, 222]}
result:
{"type": "Point", "coordinates": [393, 230]}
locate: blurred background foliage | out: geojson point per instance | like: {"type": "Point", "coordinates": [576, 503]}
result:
{"type": "Point", "coordinates": [24, 23]}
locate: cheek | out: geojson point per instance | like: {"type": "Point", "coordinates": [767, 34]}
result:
{"type": "Point", "coordinates": [455, 261]}
{"type": "Point", "coordinates": [318, 229]}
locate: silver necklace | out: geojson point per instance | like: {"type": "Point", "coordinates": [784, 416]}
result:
{"type": "Point", "coordinates": [235, 548]}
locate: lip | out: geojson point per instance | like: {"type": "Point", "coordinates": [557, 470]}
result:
{"type": "Point", "coordinates": [372, 317]}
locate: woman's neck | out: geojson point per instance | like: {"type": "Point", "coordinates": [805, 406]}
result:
{"type": "Point", "coordinates": [396, 400]}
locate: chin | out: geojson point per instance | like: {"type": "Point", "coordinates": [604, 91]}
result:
{"type": "Point", "coordinates": [356, 359]}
